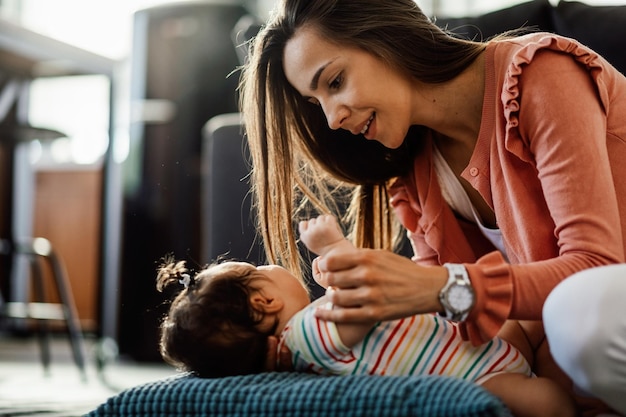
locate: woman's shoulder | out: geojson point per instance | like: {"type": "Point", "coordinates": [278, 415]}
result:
{"type": "Point", "coordinates": [515, 52]}
{"type": "Point", "coordinates": [527, 40]}
{"type": "Point", "coordinates": [533, 56]}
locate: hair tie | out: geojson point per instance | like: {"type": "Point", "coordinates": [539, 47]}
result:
{"type": "Point", "coordinates": [186, 280]}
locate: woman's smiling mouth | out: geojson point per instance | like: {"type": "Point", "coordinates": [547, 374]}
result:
{"type": "Point", "coordinates": [367, 124]}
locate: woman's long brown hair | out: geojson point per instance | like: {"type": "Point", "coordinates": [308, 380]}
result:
{"type": "Point", "coordinates": [300, 165]}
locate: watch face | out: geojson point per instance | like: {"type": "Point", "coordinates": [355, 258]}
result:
{"type": "Point", "coordinates": [460, 298]}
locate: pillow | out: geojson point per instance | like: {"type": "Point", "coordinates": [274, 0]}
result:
{"type": "Point", "coordinates": [293, 394]}
{"type": "Point", "coordinates": [602, 28]}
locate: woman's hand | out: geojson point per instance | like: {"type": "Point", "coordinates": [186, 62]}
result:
{"type": "Point", "coordinates": [375, 285]}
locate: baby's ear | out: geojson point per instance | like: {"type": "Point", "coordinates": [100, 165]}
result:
{"type": "Point", "coordinates": [265, 304]}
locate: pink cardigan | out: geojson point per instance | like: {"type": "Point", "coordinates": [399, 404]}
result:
{"type": "Point", "coordinates": [550, 160]}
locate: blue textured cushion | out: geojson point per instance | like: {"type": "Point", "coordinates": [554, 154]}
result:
{"type": "Point", "coordinates": [302, 395]}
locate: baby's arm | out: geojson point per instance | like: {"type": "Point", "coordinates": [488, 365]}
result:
{"type": "Point", "coordinates": [321, 234]}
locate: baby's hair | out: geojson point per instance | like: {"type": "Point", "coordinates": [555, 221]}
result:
{"type": "Point", "coordinates": [211, 328]}
{"type": "Point", "coordinates": [170, 272]}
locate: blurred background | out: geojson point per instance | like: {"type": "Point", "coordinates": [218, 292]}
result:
{"type": "Point", "coordinates": [114, 95]}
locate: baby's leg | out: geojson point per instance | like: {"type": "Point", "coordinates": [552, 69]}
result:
{"type": "Point", "coordinates": [321, 234]}
{"type": "Point", "coordinates": [531, 397]}
{"type": "Point", "coordinates": [528, 337]}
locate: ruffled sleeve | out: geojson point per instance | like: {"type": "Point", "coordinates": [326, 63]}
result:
{"type": "Point", "coordinates": [523, 56]}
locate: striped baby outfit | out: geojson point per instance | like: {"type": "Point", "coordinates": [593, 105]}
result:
{"type": "Point", "coordinates": [418, 345]}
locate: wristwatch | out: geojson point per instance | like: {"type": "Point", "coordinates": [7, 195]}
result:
{"type": "Point", "coordinates": [457, 297]}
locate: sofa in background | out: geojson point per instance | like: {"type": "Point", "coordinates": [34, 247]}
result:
{"type": "Point", "coordinates": [229, 228]}
{"type": "Point", "coordinates": [602, 28]}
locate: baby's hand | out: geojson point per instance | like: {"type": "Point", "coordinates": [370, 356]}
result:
{"type": "Point", "coordinates": [318, 275]}
{"type": "Point", "coordinates": [320, 233]}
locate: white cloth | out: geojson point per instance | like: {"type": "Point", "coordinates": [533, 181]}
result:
{"type": "Point", "coordinates": [458, 200]}
{"type": "Point", "coordinates": [585, 324]}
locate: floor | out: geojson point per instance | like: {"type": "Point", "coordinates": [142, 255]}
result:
{"type": "Point", "coordinates": [27, 390]}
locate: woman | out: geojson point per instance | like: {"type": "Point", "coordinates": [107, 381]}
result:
{"type": "Point", "coordinates": [502, 160]}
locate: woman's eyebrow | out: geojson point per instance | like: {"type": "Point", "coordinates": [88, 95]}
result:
{"type": "Point", "coordinates": [316, 77]}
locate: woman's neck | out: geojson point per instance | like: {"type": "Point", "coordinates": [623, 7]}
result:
{"type": "Point", "coordinates": [456, 107]}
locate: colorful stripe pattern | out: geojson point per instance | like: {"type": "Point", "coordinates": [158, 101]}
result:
{"type": "Point", "coordinates": [417, 345]}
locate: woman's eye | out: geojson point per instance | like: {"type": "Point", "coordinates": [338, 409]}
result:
{"type": "Point", "coordinates": [336, 82]}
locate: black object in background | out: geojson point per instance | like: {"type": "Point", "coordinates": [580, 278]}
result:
{"type": "Point", "coordinates": [182, 56]}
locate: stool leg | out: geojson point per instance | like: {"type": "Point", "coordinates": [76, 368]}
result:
{"type": "Point", "coordinates": [69, 309]}
{"type": "Point", "coordinates": [43, 334]}
{"type": "Point", "coordinates": [41, 247]}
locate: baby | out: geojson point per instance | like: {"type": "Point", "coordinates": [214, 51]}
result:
{"type": "Point", "coordinates": [219, 325]}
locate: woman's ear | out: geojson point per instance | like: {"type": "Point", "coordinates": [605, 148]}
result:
{"type": "Point", "coordinates": [266, 304]}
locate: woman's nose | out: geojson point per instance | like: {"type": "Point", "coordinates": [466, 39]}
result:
{"type": "Point", "coordinates": [335, 115]}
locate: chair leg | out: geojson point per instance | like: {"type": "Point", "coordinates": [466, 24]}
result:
{"type": "Point", "coordinates": [43, 334]}
{"type": "Point", "coordinates": [40, 247]}
{"type": "Point", "coordinates": [69, 309]}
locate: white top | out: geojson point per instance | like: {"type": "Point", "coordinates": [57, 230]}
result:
{"type": "Point", "coordinates": [456, 197]}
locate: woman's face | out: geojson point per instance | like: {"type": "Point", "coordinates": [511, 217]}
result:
{"type": "Point", "coordinates": [357, 91]}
